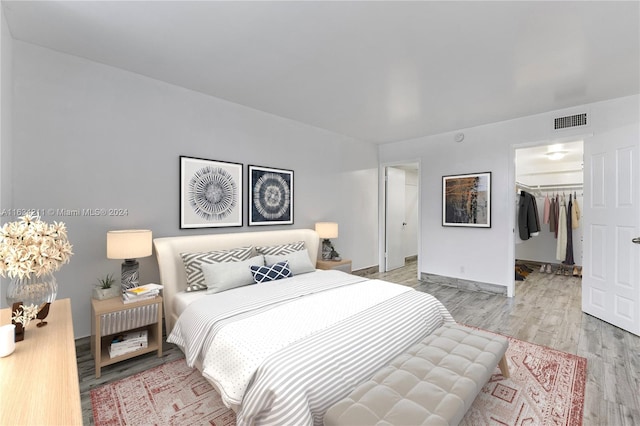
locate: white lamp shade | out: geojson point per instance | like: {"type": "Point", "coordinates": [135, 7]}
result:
{"type": "Point", "coordinates": [128, 244]}
{"type": "Point", "coordinates": [327, 229]}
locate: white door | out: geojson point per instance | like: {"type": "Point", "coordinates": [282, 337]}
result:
{"type": "Point", "coordinates": [394, 214]}
{"type": "Point", "coordinates": [611, 273]}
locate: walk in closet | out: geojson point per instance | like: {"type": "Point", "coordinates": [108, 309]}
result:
{"type": "Point", "coordinates": [550, 196]}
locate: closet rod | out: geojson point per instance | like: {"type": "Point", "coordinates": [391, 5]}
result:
{"type": "Point", "coordinates": [549, 187]}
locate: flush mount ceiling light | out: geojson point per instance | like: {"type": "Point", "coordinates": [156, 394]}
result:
{"type": "Point", "coordinates": [556, 155]}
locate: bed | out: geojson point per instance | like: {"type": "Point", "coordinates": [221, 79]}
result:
{"type": "Point", "coordinates": [283, 351]}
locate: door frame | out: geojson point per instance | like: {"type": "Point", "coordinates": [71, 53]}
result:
{"type": "Point", "coordinates": [511, 248]}
{"type": "Point", "coordinates": [382, 201]}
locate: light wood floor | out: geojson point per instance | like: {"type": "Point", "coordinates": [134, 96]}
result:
{"type": "Point", "coordinates": [546, 310]}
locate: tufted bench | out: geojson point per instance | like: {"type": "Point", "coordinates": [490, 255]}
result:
{"type": "Point", "coordinates": [433, 383]}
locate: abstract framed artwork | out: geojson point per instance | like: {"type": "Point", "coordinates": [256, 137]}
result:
{"type": "Point", "coordinates": [270, 196]}
{"type": "Point", "coordinates": [210, 193]}
{"type": "Point", "coordinates": [466, 200]}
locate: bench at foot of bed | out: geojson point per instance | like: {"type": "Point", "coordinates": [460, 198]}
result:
{"type": "Point", "coordinates": [433, 383]}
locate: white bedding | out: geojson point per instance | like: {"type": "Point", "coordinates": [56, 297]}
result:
{"type": "Point", "coordinates": [185, 298]}
{"type": "Point", "coordinates": [288, 349]}
{"type": "Point", "coordinates": [241, 347]}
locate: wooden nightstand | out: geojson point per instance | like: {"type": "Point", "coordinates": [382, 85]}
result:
{"type": "Point", "coordinates": [341, 265]}
{"type": "Point", "coordinates": [111, 317]}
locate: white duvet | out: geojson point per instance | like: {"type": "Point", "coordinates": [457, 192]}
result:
{"type": "Point", "coordinates": [239, 348]}
{"type": "Point", "coordinates": [283, 352]}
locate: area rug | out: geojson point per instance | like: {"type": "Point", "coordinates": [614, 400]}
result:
{"type": "Point", "coordinates": [170, 394]}
{"type": "Point", "coordinates": [546, 388]}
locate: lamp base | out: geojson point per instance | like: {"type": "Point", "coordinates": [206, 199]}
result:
{"type": "Point", "coordinates": [327, 248]}
{"type": "Point", "coordinates": [130, 276]}
{"type": "Point", "coordinates": [328, 251]}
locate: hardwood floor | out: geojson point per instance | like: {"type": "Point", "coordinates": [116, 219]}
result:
{"type": "Point", "coordinates": [546, 310]}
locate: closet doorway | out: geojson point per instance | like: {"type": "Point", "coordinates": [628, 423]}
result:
{"type": "Point", "coordinates": [552, 172]}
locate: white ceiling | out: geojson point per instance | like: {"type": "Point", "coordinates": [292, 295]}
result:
{"type": "Point", "coordinates": [534, 167]}
{"type": "Point", "coordinates": [378, 71]}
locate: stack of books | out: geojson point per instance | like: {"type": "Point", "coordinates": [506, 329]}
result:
{"type": "Point", "coordinates": [143, 292]}
{"type": "Point", "coordinates": [127, 342]}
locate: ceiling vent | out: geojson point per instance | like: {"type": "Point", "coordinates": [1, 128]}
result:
{"type": "Point", "coordinates": [570, 121]}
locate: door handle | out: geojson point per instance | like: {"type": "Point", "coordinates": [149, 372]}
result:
{"type": "Point", "coordinates": [636, 240]}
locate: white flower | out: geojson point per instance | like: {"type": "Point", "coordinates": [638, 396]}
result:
{"type": "Point", "coordinates": [25, 314]}
{"type": "Point", "coordinates": [30, 246]}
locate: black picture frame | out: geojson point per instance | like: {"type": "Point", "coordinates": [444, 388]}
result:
{"type": "Point", "coordinates": [270, 196]}
{"type": "Point", "coordinates": [466, 200]}
{"type": "Point", "coordinates": [210, 193]}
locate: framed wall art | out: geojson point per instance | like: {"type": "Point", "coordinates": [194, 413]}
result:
{"type": "Point", "coordinates": [270, 196]}
{"type": "Point", "coordinates": [466, 200]}
{"type": "Point", "coordinates": [210, 193]}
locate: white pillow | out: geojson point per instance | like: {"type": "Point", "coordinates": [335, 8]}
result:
{"type": "Point", "coordinates": [299, 261]}
{"type": "Point", "coordinates": [227, 275]}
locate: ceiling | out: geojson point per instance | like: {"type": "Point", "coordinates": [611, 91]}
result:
{"type": "Point", "coordinates": [377, 71]}
{"type": "Point", "coordinates": [534, 167]}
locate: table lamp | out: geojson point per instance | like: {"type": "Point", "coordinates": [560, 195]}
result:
{"type": "Point", "coordinates": [129, 244]}
{"type": "Point", "coordinates": [327, 230]}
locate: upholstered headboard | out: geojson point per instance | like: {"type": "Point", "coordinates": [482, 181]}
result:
{"type": "Point", "coordinates": [172, 272]}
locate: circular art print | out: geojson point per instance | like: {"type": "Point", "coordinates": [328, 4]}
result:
{"type": "Point", "coordinates": [212, 193]}
{"type": "Point", "coordinates": [271, 196]}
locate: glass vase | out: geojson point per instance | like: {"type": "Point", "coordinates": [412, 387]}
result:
{"type": "Point", "coordinates": [32, 290]}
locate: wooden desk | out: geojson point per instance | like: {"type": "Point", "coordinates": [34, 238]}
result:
{"type": "Point", "coordinates": [39, 381]}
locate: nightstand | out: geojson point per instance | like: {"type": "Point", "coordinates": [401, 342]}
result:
{"type": "Point", "coordinates": [343, 265]}
{"type": "Point", "coordinates": [110, 317]}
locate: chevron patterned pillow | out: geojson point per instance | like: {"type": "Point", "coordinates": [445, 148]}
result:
{"type": "Point", "coordinates": [262, 274]}
{"type": "Point", "coordinates": [193, 264]}
{"type": "Point", "coordinates": [281, 249]}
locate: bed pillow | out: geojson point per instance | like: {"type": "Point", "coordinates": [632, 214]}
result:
{"type": "Point", "coordinates": [193, 264]}
{"type": "Point", "coordinates": [227, 275]}
{"type": "Point", "coordinates": [299, 261]}
{"type": "Point", "coordinates": [281, 249]}
{"type": "Point", "coordinates": [277, 271]}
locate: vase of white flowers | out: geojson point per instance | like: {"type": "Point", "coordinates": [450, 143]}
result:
{"type": "Point", "coordinates": [30, 252]}
{"type": "Point", "coordinates": [32, 289]}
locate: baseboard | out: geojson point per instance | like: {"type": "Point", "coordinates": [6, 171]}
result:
{"type": "Point", "coordinates": [366, 271]}
{"type": "Point", "coordinates": [462, 284]}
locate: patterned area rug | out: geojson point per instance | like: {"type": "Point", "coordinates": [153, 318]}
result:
{"type": "Point", "coordinates": [170, 394]}
{"type": "Point", "coordinates": [546, 387]}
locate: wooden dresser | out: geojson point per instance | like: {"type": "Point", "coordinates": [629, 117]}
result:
{"type": "Point", "coordinates": [39, 381]}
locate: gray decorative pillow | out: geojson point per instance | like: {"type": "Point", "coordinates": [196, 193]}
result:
{"type": "Point", "coordinates": [227, 275]}
{"type": "Point", "coordinates": [193, 264]}
{"type": "Point", "coordinates": [281, 249]}
{"type": "Point", "coordinates": [299, 261]}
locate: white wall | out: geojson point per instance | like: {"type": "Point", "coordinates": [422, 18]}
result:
{"type": "Point", "coordinates": [481, 254]}
{"type": "Point", "coordinates": [86, 135]}
{"type": "Point", "coordinates": [6, 64]}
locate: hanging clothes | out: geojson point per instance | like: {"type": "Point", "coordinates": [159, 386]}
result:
{"type": "Point", "coordinates": [547, 208]}
{"type": "Point", "coordinates": [528, 221]}
{"type": "Point", "coordinates": [575, 213]}
{"type": "Point", "coordinates": [557, 214]}
{"type": "Point", "coordinates": [561, 245]}
{"type": "Point", "coordinates": [568, 259]}
{"type": "Point", "coordinates": [552, 215]}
